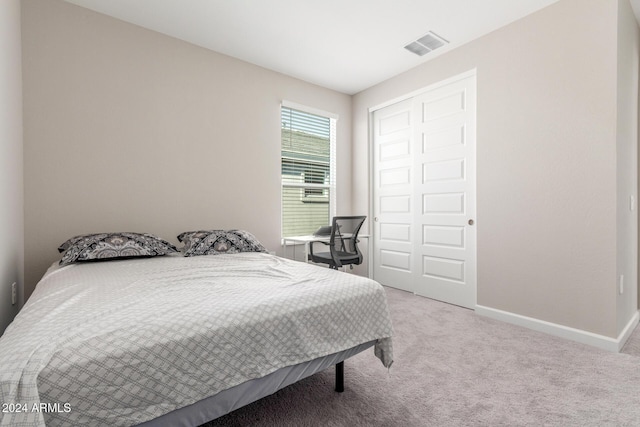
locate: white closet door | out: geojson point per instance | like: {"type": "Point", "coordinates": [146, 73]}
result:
{"type": "Point", "coordinates": [393, 206]}
{"type": "Point", "coordinates": [445, 231]}
{"type": "Point", "coordinates": [424, 193]}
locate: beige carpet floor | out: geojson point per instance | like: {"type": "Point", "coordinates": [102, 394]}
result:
{"type": "Point", "coordinates": [455, 368]}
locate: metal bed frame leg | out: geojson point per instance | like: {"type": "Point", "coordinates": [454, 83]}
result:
{"type": "Point", "coordinates": [340, 377]}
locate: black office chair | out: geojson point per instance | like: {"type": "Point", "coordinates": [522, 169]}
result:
{"type": "Point", "coordinates": [343, 243]}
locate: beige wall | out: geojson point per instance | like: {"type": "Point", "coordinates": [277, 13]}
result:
{"type": "Point", "coordinates": [546, 161]}
{"type": "Point", "coordinates": [128, 129]}
{"type": "Point", "coordinates": [11, 182]}
{"type": "Point", "coordinates": [627, 159]}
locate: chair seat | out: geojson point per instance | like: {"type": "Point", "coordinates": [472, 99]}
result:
{"type": "Point", "coordinates": [345, 257]}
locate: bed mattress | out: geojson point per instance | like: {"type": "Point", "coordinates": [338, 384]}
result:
{"type": "Point", "coordinates": [124, 342]}
{"type": "Point", "coordinates": [249, 391]}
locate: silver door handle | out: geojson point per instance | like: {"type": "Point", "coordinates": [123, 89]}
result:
{"type": "Point", "coordinates": [471, 222]}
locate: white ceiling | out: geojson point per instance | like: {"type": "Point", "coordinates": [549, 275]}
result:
{"type": "Point", "coordinates": [345, 45]}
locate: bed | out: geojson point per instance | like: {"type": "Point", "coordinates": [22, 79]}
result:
{"type": "Point", "coordinates": [175, 340]}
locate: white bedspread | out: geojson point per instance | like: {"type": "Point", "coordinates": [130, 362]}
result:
{"type": "Point", "coordinates": [126, 341]}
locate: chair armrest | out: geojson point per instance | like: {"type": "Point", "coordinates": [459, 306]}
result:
{"type": "Point", "coordinates": [316, 241]}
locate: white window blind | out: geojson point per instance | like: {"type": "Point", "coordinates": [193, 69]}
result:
{"type": "Point", "coordinates": [308, 171]}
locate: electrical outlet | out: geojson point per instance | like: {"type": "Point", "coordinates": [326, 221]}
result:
{"type": "Point", "coordinates": [621, 284]}
{"type": "Point", "coordinates": [14, 293]}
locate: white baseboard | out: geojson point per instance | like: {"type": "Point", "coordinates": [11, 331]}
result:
{"type": "Point", "coordinates": [578, 335]}
{"type": "Point", "coordinates": [628, 330]}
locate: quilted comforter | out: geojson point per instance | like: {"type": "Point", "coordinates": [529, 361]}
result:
{"type": "Point", "coordinates": [122, 342]}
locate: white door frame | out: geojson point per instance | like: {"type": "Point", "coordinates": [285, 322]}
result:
{"type": "Point", "coordinates": [371, 110]}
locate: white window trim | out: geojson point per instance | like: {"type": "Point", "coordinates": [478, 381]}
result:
{"type": "Point", "coordinates": [309, 110]}
{"type": "Point", "coordinates": [332, 186]}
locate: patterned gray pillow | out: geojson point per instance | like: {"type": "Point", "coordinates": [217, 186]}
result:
{"type": "Point", "coordinates": [214, 242]}
{"type": "Point", "coordinates": [107, 246]}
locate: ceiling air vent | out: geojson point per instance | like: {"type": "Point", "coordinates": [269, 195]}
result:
{"type": "Point", "coordinates": [425, 44]}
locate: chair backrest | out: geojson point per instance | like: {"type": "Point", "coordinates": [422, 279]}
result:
{"type": "Point", "coordinates": [344, 233]}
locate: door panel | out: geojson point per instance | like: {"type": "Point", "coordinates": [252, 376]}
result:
{"type": "Point", "coordinates": [392, 200]}
{"type": "Point", "coordinates": [447, 245]}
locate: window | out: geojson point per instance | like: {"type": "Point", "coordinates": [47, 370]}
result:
{"type": "Point", "coordinates": [308, 169]}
